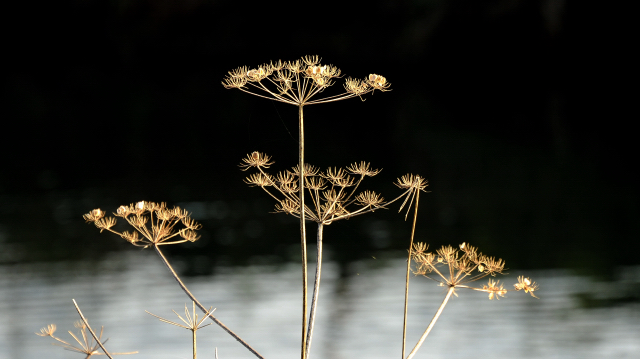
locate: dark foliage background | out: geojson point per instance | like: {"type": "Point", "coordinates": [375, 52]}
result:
{"type": "Point", "coordinates": [510, 108]}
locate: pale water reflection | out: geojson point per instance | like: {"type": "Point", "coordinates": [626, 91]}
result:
{"type": "Point", "coordinates": [359, 316]}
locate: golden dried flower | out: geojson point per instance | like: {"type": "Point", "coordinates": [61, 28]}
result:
{"type": "Point", "coordinates": [47, 331]}
{"type": "Point", "coordinates": [154, 224]}
{"type": "Point", "coordinates": [105, 223]}
{"type": "Point", "coordinates": [309, 170]}
{"type": "Point", "coordinates": [527, 285]}
{"type": "Point", "coordinates": [410, 181]}
{"type": "Point", "coordinates": [369, 198]}
{"type": "Point", "coordinates": [189, 235]}
{"type": "Point", "coordinates": [94, 215]}
{"type": "Point", "coordinates": [259, 180]}
{"type": "Point", "coordinates": [378, 82]}
{"type": "Point", "coordinates": [287, 206]}
{"type": "Point", "coordinates": [123, 211]}
{"type": "Point", "coordinates": [495, 289]}
{"type": "Point", "coordinates": [298, 82]}
{"type": "Point", "coordinates": [363, 169]}
{"type": "Point", "coordinates": [130, 237]}
{"type": "Point", "coordinates": [255, 159]}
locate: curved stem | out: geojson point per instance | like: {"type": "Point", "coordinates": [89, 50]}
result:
{"type": "Point", "coordinates": [406, 288]}
{"type": "Point", "coordinates": [205, 310]}
{"type": "Point", "coordinates": [433, 322]}
{"type": "Point", "coordinates": [303, 230]}
{"type": "Point", "coordinates": [316, 289]}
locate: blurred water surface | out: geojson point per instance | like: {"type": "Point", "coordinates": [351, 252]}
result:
{"type": "Point", "coordinates": [359, 315]}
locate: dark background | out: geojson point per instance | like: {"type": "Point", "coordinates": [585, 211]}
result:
{"type": "Point", "coordinates": [511, 109]}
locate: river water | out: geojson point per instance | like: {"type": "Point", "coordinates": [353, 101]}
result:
{"type": "Point", "coordinates": [358, 316]}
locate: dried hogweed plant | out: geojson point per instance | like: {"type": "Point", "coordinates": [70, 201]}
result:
{"type": "Point", "coordinates": [155, 225]}
{"type": "Point", "coordinates": [192, 323]}
{"type": "Point", "coordinates": [300, 83]}
{"type": "Point", "coordinates": [334, 196]}
{"type": "Point", "coordinates": [90, 343]}
{"type": "Point", "coordinates": [457, 269]}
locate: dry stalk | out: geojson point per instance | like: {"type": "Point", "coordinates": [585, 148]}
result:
{"type": "Point", "coordinates": [158, 226]}
{"type": "Point", "coordinates": [461, 267]}
{"type": "Point", "coordinates": [300, 83]}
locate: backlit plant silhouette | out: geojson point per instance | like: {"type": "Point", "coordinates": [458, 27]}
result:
{"type": "Point", "coordinates": [191, 321]}
{"type": "Point", "coordinates": [301, 83]}
{"type": "Point", "coordinates": [454, 269]}
{"type": "Point", "coordinates": [87, 345]}
{"type": "Point", "coordinates": [333, 197]}
{"type": "Point", "coordinates": [158, 225]}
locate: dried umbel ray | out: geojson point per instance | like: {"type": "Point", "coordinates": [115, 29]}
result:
{"type": "Point", "coordinates": [299, 82]}
{"type": "Point", "coordinates": [457, 268]}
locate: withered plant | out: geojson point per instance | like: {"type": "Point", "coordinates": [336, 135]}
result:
{"type": "Point", "coordinates": [191, 321]}
{"type": "Point", "coordinates": [90, 343]}
{"type": "Point", "coordinates": [334, 196]}
{"type": "Point", "coordinates": [301, 83]}
{"type": "Point", "coordinates": [456, 269]}
{"type": "Point", "coordinates": [156, 225]}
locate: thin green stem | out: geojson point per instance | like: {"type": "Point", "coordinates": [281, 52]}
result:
{"type": "Point", "coordinates": [205, 310]}
{"type": "Point", "coordinates": [303, 230]}
{"type": "Point", "coordinates": [406, 288]}
{"type": "Point", "coordinates": [316, 288]}
{"type": "Point", "coordinates": [433, 322]}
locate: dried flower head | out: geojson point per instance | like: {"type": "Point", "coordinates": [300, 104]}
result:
{"type": "Point", "coordinates": [86, 346]}
{"type": "Point", "coordinates": [299, 82]}
{"type": "Point", "coordinates": [94, 215]}
{"type": "Point", "coordinates": [154, 224]}
{"type": "Point", "coordinates": [47, 331]}
{"type": "Point", "coordinates": [456, 268]}
{"type": "Point", "coordinates": [255, 159]}
{"type": "Point", "coordinates": [333, 192]}
{"type": "Point", "coordinates": [527, 285]}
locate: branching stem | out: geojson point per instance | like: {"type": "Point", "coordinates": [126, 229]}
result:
{"type": "Point", "coordinates": [202, 307]}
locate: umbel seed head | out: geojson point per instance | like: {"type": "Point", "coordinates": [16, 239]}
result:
{"type": "Point", "coordinates": [300, 82]}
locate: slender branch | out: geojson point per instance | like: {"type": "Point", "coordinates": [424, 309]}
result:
{"type": "Point", "coordinates": [303, 230]}
{"type": "Point", "coordinates": [433, 322]}
{"type": "Point", "coordinates": [91, 330]}
{"type": "Point", "coordinates": [205, 310]}
{"type": "Point", "coordinates": [316, 289]}
{"type": "Point", "coordinates": [406, 288]}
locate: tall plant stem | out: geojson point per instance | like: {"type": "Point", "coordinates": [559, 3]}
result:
{"type": "Point", "coordinates": [303, 229]}
{"type": "Point", "coordinates": [406, 287]}
{"type": "Point", "coordinates": [433, 322]}
{"type": "Point", "coordinates": [205, 310]}
{"type": "Point", "coordinates": [93, 334]}
{"type": "Point", "coordinates": [316, 289]}
{"type": "Point", "coordinates": [194, 344]}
